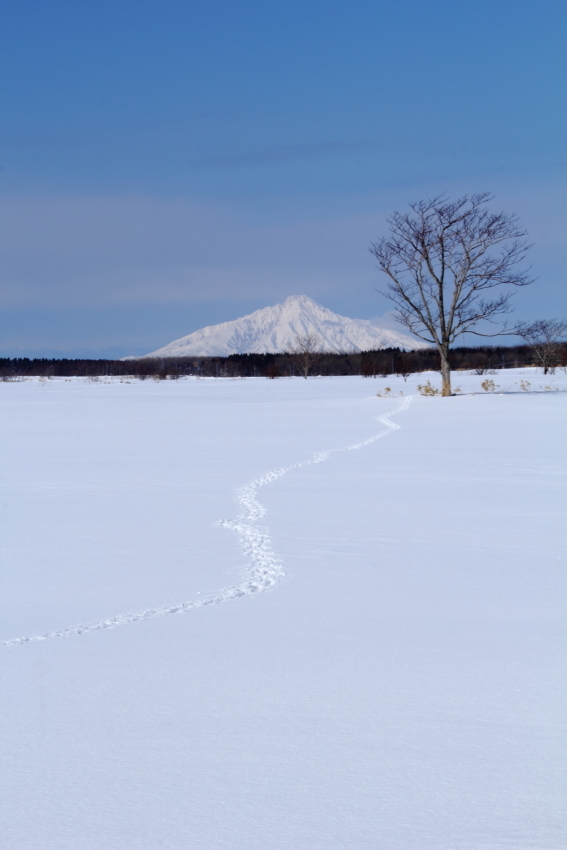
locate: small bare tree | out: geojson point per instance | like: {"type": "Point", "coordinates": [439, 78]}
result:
{"type": "Point", "coordinates": [546, 338]}
{"type": "Point", "coordinates": [442, 259]}
{"type": "Point", "coordinates": [302, 351]}
{"type": "Point", "coordinates": [403, 366]}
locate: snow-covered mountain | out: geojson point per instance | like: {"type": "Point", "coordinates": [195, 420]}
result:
{"type": "Point", "coordinates": [273, 329]}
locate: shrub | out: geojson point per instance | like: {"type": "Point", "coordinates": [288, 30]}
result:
{"type": "Point", "coordinates": [427, 389]}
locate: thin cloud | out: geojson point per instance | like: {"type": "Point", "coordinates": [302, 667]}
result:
{"type": "Point", "coordinates": [287, 153]}
{"type": "Point", "coordinates": [135, 249]}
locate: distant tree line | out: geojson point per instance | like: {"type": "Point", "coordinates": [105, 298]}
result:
{"type": "Point", "coordinates": [388, 361]}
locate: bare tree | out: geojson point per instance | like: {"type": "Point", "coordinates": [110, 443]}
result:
{"type": "Point", "coordinates": [403, 366]}
{"type": "Point", "coordinates": [442, 259]}
{"type": "Point", "coordinates": [302, 351]}
{"type": "Point", "coordinates": [546, 338]}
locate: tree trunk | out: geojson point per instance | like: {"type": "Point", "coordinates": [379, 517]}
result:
{"type": "Point", "coordinates": [445, 373]}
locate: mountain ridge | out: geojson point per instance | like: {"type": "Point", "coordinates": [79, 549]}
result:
{"type": "Point", "coordinates": [273, 329]}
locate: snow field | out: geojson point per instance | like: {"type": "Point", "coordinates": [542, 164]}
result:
{"type": "Point", "coordinates": [397, 689]}
{"type": "Point", "coordinates": [264, 568]}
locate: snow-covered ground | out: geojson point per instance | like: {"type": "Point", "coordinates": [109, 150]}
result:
{"type": "Point", "coordinates": [396, 687]}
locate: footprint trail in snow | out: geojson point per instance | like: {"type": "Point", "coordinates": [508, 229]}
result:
{"type": "Point", "coordinates": [264, 569]}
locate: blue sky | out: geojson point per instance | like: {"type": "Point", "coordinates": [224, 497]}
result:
{"type": "Point", "coordinates": [171, 165]}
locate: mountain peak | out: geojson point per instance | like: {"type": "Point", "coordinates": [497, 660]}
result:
{"type": "Point", "coordinates": [296, 303]}
{"type": "Point", "coordinates": [273, 329]}
{"type": "Point", "coordinates": [300, 300]}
